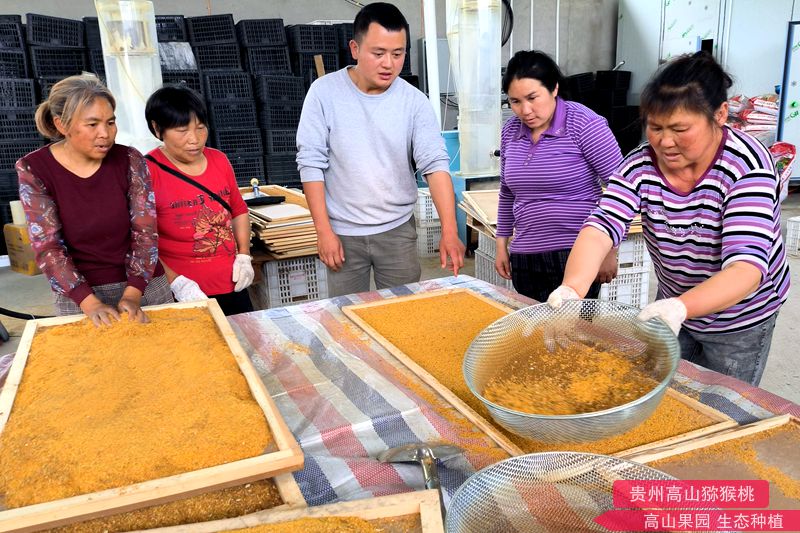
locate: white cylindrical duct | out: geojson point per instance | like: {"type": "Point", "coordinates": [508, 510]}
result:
{"type": "Point", "coordinates": [479, 114]}
{"type": "Point", "coordinates": [452, 9]}
{"type": "Point", "coordinates": [133, 68]}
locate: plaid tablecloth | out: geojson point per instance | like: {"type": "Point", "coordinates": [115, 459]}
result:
{"type": "Point", "coordinates": [346, 398]}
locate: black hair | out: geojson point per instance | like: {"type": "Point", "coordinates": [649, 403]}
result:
{"type": "Point", "coordinates": [536, 65]}
{"type": "Point", "coordinates": [383, 13]}
{"type": "Point", "coordinates": [694, 82]}
{"type": "Point", "coordinates": [173, 106]}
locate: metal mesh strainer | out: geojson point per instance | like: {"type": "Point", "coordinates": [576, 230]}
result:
{"type": "Point", "coordinates": [542, 492]}
{"type": "Point", "coordinates": [603, 325]}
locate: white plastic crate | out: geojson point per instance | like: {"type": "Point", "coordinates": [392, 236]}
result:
{"type": "Point", "coordinates": [793, 236]}
{"type": "Point", "coordinates": [631, 288]}
{"type": "Point", "coordinates": [428, 238]}
{"type": "Point", "coordinates": [486, 245]}
{"type": "Point", "coordinates": [484, 270]}
{"type": "Point", "coordinates": [293, 281]}
{"type": "Point", "coordinates": [424, 211]}
{"type": "Point", "coordinates": [633, 253]}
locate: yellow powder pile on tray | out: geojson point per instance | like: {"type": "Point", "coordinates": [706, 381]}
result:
{"type": "Point", "coordinates": [743, 450]}
{"type": "Point", "coordinates": [570, 380]}
{"type": "Point", "coordinates": [225, 503]}
{"type": "Point", "coordinates": [107, 407]}
{"type": "Point", "coordinates": [435, 332]}
{"type": "Point", "coordinates": [347, 524]}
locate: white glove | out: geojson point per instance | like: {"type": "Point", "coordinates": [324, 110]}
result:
{"type": "Point", "coordinates": [242, 272]}
{"type": "Point", "coordinates": [671, 311]}
{"type": "Point", "coordinates": [563, 292]}
{"type": "Point", "coordinates": [186, 290]}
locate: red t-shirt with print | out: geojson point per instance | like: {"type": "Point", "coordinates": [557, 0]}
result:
{"type": "Point", "coordinates": [195, 233]}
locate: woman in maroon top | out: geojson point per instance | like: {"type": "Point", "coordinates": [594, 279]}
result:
{"type": "Point", "coordinates": [90, 208]}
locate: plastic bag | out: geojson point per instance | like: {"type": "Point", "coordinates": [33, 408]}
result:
{"type": "Point", "coordinates": [737, 104]}
{"type": "Point", "coordinates": [766, 103]}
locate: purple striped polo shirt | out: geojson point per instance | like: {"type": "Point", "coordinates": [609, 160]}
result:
{"type": "Point", "coordinates": [731, 215]}
{"type": "Point", "coordinates": [548, 189]}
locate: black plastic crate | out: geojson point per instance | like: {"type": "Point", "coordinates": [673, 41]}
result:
{"type": "Point", "coordinates": [344, 33]}
{"type": "Point", "coordinates": [11, 35]}
{"type": "Point", "coordinates": [17, 93]}
{"type": "Point", "coordinates": [312, 38]}
{"type": "Point", "coordinates": [11, 18]}
{"type": "Point", "coordinates": [267, 60]}
{"type": "Point", "coordinates": [13, 63]}
{"type": "Point", "coordinates": [238, 114]}
{"type": "Point", "coordinates": [45, 83]}
{"type": "Point", "coordinates": [171, 28]}
{"type": "Point", "coordinates": [190, 78]}
{"type": "Point", "coordinates": [261, 32]}
{"type": "Point", "coordinates": [238, 141]}
{"type": "Point", "coordinates": [412, 79]}
{"type": "Point", "coordinates": [346, 58]}
{"type": "Point", "coordinates": [303, 65]}
{"type": "Point", "coordinates": [613, 79]}
{"type": "Point", "coordinates": [54, 31]}
{"type": "Point", "coordinates": [18, 124]}
{"type": "Point", "coordinates": [282, 170]}
{"type": "Point", "coordinates": [49, 61]}
{"type": "Point", "coordinates": [247, 167]}
{"type": "Point", "coordinates": [279, 89]}
{"type": "Point", "coordinates": [211, 29]}
{"type": "Point", "coordinates": [280, 117]}
{"type": "Point", "coordinates": [9, 179]}
{"type": "Point", "coordinates": [91, 28]}
{"type": "Point", "coordinates": [10, 151]}
{"type": "Point", "coordinates": [227, 86]}
{"type": "Point", "coordinates": [96, 62]}
{"type": "Point", "coordinates": [607, 98]}
{"type": "Point", "coordinates": [223, 56]}
{"type": "Point", "coordinates": [280, 142]}
{"type": "Point", "coordinates": [580, 83]}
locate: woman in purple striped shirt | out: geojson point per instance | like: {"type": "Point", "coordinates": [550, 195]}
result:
{"type": "Point", "coordinates": [708, 196]}
{"type": "Point", "coordinates": [554, 157]}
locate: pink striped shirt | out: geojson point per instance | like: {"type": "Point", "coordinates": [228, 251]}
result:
{"type": "Point", "coordinates": [548, 189]}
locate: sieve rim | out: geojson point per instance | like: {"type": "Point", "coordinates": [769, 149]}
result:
{"type": "Point", "coordinates": [657, 390]}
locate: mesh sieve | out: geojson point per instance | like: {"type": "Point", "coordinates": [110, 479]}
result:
{"type": "Point", "coordinates": [599, 324]}
{"type": "Point", "coordinates": [542, 492]}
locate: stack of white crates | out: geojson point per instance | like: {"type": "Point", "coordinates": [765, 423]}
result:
{"type": "Point", "coordinates": [484, 262]}
{"type": "Point", "coordinates": [632, 284]}
{"type": "Point", "coordinates": [429, 227]}
{"type": "Point", "coordinates": [291, 281]}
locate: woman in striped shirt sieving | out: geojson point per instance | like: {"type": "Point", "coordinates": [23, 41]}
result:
{"type": "Point", "coordinates": [554, 156]}
{"type": "Point", "coordinates": [708, 196]}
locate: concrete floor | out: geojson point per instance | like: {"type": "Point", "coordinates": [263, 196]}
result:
{"type": "Point", "coordinates": [31, 294]}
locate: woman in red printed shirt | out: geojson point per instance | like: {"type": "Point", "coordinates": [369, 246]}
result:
{"type": "Point", "coordinates": [204, 238]}
{"type": "Point", "coordinates": [89, 207]}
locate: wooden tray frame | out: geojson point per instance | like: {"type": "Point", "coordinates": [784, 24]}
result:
{"type": "Point", "coordinates": [671, 449]}
{"type": "Point", "coordinates": [288, 458]}
{"type": "Point", "coordinates": [723, 421]}
{"type": "Point", "coordinates": [424, 503]}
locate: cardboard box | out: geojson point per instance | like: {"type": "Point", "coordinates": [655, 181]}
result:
{"type": "Point", "coordinates": [20, 251]}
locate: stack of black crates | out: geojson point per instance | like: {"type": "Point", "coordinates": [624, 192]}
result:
{"type": "Point", "coordinates": [253, 75]}
{"type": "Point", "coordinates": [606, 92]}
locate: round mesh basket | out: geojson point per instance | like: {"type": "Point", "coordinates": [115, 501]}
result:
{"type": "Point", "coordinates": [542, 492]}
{"type": "Point", "coordinates": [609, 326]}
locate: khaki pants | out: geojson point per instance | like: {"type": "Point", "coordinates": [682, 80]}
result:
{"type": "Point", "coordinates": [391, 256]}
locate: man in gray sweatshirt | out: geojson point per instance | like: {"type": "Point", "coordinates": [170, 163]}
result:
{"type": "Point", "coordinates": [361, 131]}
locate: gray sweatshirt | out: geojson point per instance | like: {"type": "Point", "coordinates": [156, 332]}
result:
{"type": "Point", "coordinates": [363, 147]}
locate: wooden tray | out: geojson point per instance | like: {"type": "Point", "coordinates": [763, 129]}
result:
{"type": "Point", "coordinates": [778, 452]}
{"type": "Point", "coordinates": [288, 458]}
{"type": "Point", "coordinates": [487, 426]}
{"type": "Point", "coordinates": [424, 504]}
